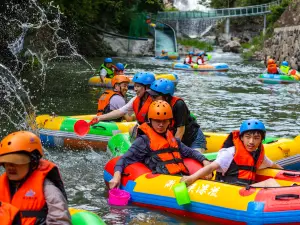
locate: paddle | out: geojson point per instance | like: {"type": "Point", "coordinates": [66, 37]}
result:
{"type": "Point", "coordinates": [81, 127]}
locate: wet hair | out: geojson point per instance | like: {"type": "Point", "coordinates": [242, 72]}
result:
{"type": "Point", "coordinates": [262, 133]}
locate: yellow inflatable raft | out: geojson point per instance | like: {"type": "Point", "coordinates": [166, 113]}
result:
{"type": "Point", "coordinates": [95, 80]}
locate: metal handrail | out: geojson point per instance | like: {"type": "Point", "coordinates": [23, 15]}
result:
{"type": "Point", "coordinates": [219, 13]}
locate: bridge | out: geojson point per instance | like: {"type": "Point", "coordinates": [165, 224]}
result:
{"type": "Point", "coordinates": [217, 14]}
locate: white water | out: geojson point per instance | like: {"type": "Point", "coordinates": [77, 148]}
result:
{"type": "Point", "coordinates": [187, 5]}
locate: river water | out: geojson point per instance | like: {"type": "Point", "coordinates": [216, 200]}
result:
{"type": "Point", "coordinates": [220, 103]}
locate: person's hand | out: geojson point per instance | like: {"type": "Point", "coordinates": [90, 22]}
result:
{"type": "Point", "coordinates": [206, 162]}
{"type": "Point", "coordinates": [115, 181]}
{"type": "Point", "coordinates": [188, 179]}
{"type": "Point", "coordinates": [96, 119]}
{"type": "Point", "coordinates": [209, 177]}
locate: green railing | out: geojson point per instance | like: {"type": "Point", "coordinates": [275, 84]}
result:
{"type": "Point", "coordinates": [218, 13]}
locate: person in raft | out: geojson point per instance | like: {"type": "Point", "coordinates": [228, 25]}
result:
{"type": "Point", "coordinates": [31, 184]}
{"type": "Point", "coordinates": [183, 125]}
{"type": "Point", "coordinates": [156, 147]}
{"type": "Point", "coordinates": [119, 69]}
{"type": "Point", "coordinates": [114, 99]}
{"type": "Point", "coordinates": [163, 53]}
{"type": "Point", "coordinates": [189, 58]}
{"type": "Point", "coordinates": [239, 159]}
{"type": "Point", "coordinates": [106, 69]}
{"type": "Point", "coordinates": [139, 104]}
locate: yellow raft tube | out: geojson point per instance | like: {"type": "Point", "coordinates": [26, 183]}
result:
{"type": "Point", "coordinates": [95, 80]}
{"type": "Point", "coordinates": [58, 131]}
{"type": "Point", "coordinates": [215, 201]}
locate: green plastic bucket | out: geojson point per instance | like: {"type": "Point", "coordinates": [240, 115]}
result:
{"type": "Point", "coordinates": [181, 194]}
{"type": "Point", "coordinates": [86, 218]}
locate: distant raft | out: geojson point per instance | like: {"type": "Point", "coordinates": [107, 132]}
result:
{"type": "Point", "coordinates": [95, 80]}
{"type": "Point", "coordinates": [277, 78]}
{"type": "Point", "coordinates": [169, 56]}
{"type": "Point", "coordinates": [216, 67]}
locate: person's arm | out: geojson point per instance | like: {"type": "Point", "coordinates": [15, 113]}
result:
{"type": "Point", "coordinates": [117, 113]}
{"type": "Point", "coordinates": [103, 74]}
{"type": "Point", "coordinates": [136, 153]}
{"type": "Point", "coordinates": [180, 113]}
{"type": "Point", "coordinates": [188, 152]}
{"type": "Point", "coordinates": [58, 212]}
{"type": "Point", "coordinates": [268, 163]}
{"type": "Point", "coordinates": [180, 132]}
{"type": "Point", "coordinates": [203, 172]}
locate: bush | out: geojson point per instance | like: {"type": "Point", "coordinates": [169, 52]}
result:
{"type": "Point", "coordinates": [196, 43]}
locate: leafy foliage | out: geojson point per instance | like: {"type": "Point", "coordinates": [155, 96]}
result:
{"type": "Point", "coordinates": [195, 43]}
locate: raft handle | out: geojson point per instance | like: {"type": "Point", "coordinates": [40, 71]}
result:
{"type": "Point", "coordinates": [285, 196]}
{"type": "Point", "coordinates": [98, 126]}
{"type": "Point", "coordinates": [290, 174]}
{"type": "Point", "coordinates": [125, 174]}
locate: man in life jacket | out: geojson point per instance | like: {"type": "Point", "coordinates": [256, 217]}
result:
{"type": "Point", "coordinates": [189, 58]}
{"type": "Point", "coordinates": [284, 67]}
{"type": "Point", "coordinates": [163, 53]}
{"type": "Point", "coordinates": [183, 125]}
{"type": "Point", "coordinates": [139, 104]}
{"type": "Point", "coordinates": [114, 99]}
{"type": "Point", "coordinates": [241, 156]}
{"type": "Point", "coordinates": [31, 184]}
{"type": "Point", "coordinates": [119, 69]}
{"type": "Point", "coordinates": [9, 215]}
{"type": "Point", "coordinates": [157, 147]}
{"type": "Point", "coordinates": [272, 67]}
{"type": "Point", "coordinates": [106, 69]}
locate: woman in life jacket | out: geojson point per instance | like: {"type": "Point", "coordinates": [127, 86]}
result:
{"type": "Point", "coordinates": [119, 69]}
{"type": "Point", "coordinates": [114, 99]}
{"type": "Point", "coordinates": [139, 104]}
{"type": "Point", "coordinates": [189, 58]}
{"type": "Point", "coordinates": [157, 147]}
{"type": "Point", "coordinates": [106, 69]}
{"type": "Point", "coordinates": [183, 125]}
{"type": "Point", "coordinates": [200, 59]}
{"type": "Point", "coordinates": [239, 159]}
{"type": "Point", "coordinates": [284, 68]}
{"type": "Point", "coordinates": [272, 67]}
{"type": "Point", "coordinates": [31, 184]}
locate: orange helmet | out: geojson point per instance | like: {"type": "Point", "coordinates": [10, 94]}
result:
{"type": "Point", "coordinates": [18, 142]}
{"type": "Point", "coordinates": [160, 110]}
{"type": "Point", "coordinates": [271, 61]}
{"type": "Point", "coordinates": [119, 79]}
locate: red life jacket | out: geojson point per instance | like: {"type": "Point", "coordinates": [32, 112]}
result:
{"type": "Point", "coordinates": [190, 59]}
{"type": "Point", "coordinates": [244, 165]}
{"type": "Point", "coordinates": [202, 60]}
{"type": "Point", "coordinates": [104, 100]}
{"type": "Point", "coordinates": [29, 198]}
{"type": "Point", "coordinates": [141, 111]}
{"type": "Point", "coordinates": [272, 69]}
{"type": "Point", "coordinates": [7, 213]}
{"type": "Point", "coordinates": [166, 149]}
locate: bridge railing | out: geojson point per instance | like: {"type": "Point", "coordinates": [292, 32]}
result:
{"type": "Point", "coordinates": [218, 13]}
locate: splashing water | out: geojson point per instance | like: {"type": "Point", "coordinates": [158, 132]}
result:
{"type": "Point", "coordinates": [32, 41]}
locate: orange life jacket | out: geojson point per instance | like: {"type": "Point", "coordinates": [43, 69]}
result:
{"type": "Point", "coordinates": [103, 102]}
{"type": "Point", "coordinates": [29, 198]}
{"type": "Point", "coordinates": [7, 213]}
{"type": "Point", "coordinates": [166, 149]}
{"type": "Point", "coordinates": [272, 69]}
{"type": "Point", "coordinates": [141, 111]}
{"type": "Point", "coordinates": [244, 165]}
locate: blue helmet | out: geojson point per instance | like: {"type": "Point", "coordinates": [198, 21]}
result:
{"type": "Point", "coordinates": [145, 78]}
{"type": "Point", "coordinates": [163, 86]}
{"type": "Point", "coordinates": [191, 53]}
{"type": "Point", "coordinates": [284, 63]}
{"type": "Point", "coordinates": [120, 66]}
{"type": "Point", "coordinates": [252, 124]}
{"type": "Point", "coordinates": [201, 53]}
{"type": "Point", "coordinates": [108, 60]}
